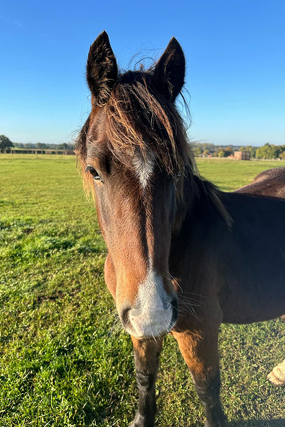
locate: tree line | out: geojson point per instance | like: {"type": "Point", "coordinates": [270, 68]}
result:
{"type": "Point", "coordinates": [6, 143]}
{"type": "Point", "coordinates": [200, 149]}
{"type": "Point", "coordinates": [267, 151]}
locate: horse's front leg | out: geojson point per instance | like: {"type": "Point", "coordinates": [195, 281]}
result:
{"type": "Point", "coordinates": [200, 351]}
{"type": "Point", "coordinates": [146, 361]}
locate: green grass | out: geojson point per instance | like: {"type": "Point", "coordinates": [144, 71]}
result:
{"type": "Point", "coordinates": [64, 360]}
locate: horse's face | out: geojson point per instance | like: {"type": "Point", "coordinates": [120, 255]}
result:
{"type": "Point", "coordinates": [135, 200]}
{"type": "Point", "coordinates": [135, 206]}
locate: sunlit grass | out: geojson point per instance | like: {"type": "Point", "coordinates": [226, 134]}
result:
{"type": "Point", "coordinates": [64, 360]}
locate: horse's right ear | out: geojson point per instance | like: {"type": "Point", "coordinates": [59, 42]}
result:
{"type": "Point", "coordinates": [102, 70]}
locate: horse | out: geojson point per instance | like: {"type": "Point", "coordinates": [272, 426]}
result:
{"type": "Point", "coordinates": [268, 183]}
{"type": "Point", "coordinates": [171, 236]}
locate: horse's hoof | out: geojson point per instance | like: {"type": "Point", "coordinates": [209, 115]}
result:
{"type": "Point", "coordinates": [277, 375]}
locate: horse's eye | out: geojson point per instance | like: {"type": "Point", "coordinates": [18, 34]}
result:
{"type": "Point", "coordinates": [94, 173]}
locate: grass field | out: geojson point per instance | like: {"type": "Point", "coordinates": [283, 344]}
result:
{"type": "Point", "coordinates": [64, 360]}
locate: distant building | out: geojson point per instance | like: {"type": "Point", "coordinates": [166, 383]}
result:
{"type": "Point", "coordinates": [242, 155]}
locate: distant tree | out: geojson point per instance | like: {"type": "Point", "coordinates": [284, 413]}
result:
{"type": "Point", "coordinates": [197, 152]}
{"type": "Point", "coordinates": [41, 145]}
{"type": "Point", "coordinates": [206, 153]}
{"type": "Point", "coordinates": [268, 151]}
{"type": "Point", "coordinates": [221, 153]}
{"type": "Point", "coordinates": [282, 155]}
{"type": "Point", "coordinates": [5, 142]}
{"type": "Point", "coordinates": [228, 151]}
{"type": "Point", "coordinates": [63, 146]}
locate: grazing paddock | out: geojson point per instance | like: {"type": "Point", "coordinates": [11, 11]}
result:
{"type": "Point", "coordinates": [64, 359]}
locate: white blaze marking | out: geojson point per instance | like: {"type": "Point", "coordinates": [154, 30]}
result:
{"type": "Point", "coordinates": [144, 167]}
{"type": "Point", "coordinates": [152, 314]}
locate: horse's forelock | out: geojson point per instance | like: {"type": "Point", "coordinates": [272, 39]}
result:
{"type": "Point", "coordinates": [139, 118]}
{"type": "Point", "coordinates": [81, 153]}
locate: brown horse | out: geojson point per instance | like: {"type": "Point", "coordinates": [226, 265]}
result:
{"type": "Point", "coordinates": [172, 237]}
{"type": "Point", "coordinates": [268, 183]}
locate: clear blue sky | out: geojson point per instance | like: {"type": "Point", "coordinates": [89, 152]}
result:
{"type": "Point", "coordinates": [235, 52]}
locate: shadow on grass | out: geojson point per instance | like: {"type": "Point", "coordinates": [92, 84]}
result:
{"type": "Point", "coordinates": [258, 423]}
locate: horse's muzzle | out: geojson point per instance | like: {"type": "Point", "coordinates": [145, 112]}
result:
{"type": "Point", "coordinates": [149, 322]}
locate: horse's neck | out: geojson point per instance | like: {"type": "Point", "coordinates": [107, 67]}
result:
{"type": "Point", "coordinates": [196, 193]}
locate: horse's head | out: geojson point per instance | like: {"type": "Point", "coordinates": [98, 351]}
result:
{"type": "Point", "coordinates": [133, 147]}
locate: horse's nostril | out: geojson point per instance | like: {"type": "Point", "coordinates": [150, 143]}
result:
{"type": "Point", "coordinates": [125, 316]}
{"type": "Point", "coordinates": [174, 305]}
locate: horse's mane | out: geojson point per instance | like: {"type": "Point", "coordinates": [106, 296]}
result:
{"type": "Point", "coordinates": [140, 120]}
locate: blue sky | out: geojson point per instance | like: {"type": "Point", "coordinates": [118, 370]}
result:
{"type": "Point", "coordinates": [234, 51]}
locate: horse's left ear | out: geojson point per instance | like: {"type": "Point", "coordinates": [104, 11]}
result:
{"type": "Point", "coordinates": [102, 70]}
{"type": "Point", "coordinates": [169, 71]}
